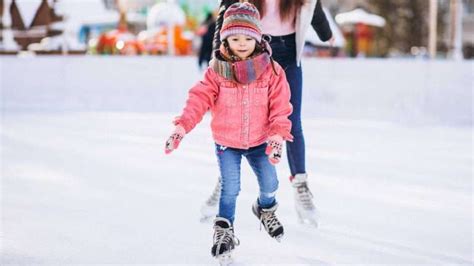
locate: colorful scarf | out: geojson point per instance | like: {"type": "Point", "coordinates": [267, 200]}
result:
{"type": "Point", "coordinates": [241, 71]}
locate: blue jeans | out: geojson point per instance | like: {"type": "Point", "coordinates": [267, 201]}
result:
{"type": "Point", "coordinates": [284, 52]}
{"type": "Point", "coordinates": [229, 160]}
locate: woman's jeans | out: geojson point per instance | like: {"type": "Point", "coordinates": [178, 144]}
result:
{"type": "Point", "coordinates": [284, 52]}
{"type": "Point", "coordinates": [229, 164]}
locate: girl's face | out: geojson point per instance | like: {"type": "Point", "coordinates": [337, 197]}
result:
{"type": "Point", "coordinates": [241, 45]}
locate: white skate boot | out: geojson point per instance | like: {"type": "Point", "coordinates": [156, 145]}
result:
{"type": "Point", "coordinates": [210, 207]}
{"type": "Point", "coordinates": [305, 209]}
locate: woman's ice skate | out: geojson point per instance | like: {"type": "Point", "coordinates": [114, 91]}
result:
{"type": "Point", "coordinates": [304, 206]}
{"type": "Point", "coordinates": [210, 207]}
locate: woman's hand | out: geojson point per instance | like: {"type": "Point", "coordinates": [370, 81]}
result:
{"type": "Point", "coordinates": [173, 141]}
{"type": "Point", "coordinates": [332, 41]}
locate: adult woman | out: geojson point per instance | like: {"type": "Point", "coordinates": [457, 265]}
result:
{"type": "Point", "coordinates": [206, 31]}
{"type": "Point", "coordinates": [286, 23]}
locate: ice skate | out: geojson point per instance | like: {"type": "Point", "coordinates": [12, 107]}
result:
{"type": "Point", "coordinates": [210, 207]}
{"type": "Point", "coordinates": [224, 241]}
{"type": "Point", "coordinates": [269, 220]}
{"type": "Point", "coordinates": [304, 206]}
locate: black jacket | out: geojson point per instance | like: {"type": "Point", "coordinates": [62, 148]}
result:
{"type": "Point", "coordinates": [320, 23]}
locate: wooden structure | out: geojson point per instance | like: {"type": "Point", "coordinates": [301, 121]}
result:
{"type": "Point", "coordinates": [39, 28]}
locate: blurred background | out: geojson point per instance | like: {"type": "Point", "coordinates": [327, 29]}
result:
{"type": "Point", "coordinates": [364, 28]}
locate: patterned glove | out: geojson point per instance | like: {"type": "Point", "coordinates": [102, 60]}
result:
{"type": "Point", "coordinates": [173, 141]}
{"type": "Point", "coordinates": [274, 147]}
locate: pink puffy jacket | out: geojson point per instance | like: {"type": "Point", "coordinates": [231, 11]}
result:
{"type": "Point", "coordinates": [243, 116]}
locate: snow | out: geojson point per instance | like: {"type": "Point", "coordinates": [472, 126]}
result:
{"type": "Point", "coordinates": [84, 178]}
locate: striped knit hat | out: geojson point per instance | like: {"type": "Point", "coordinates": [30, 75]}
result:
{"type": "Point", "coordinates": [241, 18]}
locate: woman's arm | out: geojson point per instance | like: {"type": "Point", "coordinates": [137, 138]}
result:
{"type": "Point", "coordinates": [320, 23]}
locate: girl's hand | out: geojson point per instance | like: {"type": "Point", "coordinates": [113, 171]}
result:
{"type": "Point", "coordinates": [173, 141]}
{"type": "Point", "coordinates": [274, 148]}
{"type": "Point", "coordinates": [332, 41]}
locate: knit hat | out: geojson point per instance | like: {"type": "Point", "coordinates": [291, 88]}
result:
{"type": "Point", "coordinates": [241, 18]}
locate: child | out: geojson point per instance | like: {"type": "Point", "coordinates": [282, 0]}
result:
{"type": "Point", "coordinates": [249, 99]}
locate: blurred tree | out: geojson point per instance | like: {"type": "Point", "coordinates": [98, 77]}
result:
{"type": "Point", "coordinates": [407, 23]}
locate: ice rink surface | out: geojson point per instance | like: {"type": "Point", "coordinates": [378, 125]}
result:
{"type": "Point", "coordinates": [84, 178]}
{"type": "Point", "coordinates": [96, 187]}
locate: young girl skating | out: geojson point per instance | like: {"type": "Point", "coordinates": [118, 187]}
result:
{"type": "Point", "coordinates": [249, 99]}
{"type": "Point", "coordinates": [286, 22]}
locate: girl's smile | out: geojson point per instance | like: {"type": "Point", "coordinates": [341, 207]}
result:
{"type": "Point", "coordinates": [242, 45]}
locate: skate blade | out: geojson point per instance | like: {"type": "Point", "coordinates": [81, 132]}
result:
{"type": "Point", "coordinates": [314, 223]}
{"type": "Point", "coordinates": [309, 218]}
{"type": "Point", "coordinates": [208, 213]}
{"type": "Point", "coordinates": [310, 222]}
{"type": "Point", "coordinates": [225, 259]}
{"type": "Point", "coordinates": [206, 219]}
{"type": "Point", "coordinates": [279, 238]}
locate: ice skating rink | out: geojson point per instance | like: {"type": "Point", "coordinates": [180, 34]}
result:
{"type": "Point", "coordinates": [84, 179]}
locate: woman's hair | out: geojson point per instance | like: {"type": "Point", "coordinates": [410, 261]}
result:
{"type": "Point", "coordinates": [287, 7]}
{"type": "Point", "coordinates": [224, 4]}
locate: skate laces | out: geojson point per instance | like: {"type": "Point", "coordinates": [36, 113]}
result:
{"type": "Point", "coordinates": [214, 198]}
{"type": "Point", "coordinates": [304, 195]}
{"type": "Point", "coordinates": [269, 220]}
{"type": "Point", "coordinates": [225, 235]}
